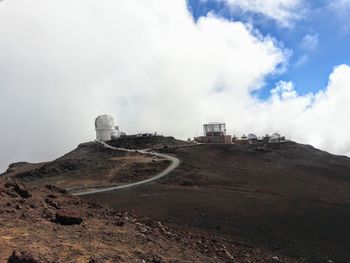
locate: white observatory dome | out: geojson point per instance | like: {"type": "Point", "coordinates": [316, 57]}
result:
{"type": "Point", "coordinates": [252, 137]}
{"type": "Point", "coordinates": [103, 122]}
{"type": "Point", "coordinates": [104, 126]}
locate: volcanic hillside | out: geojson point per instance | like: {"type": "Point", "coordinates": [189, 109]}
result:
{"type": "Point", "coordinates": [291, 198]}
{"type": "Point", "coordinates": [89, 165]}
{"type": "Point", "coordinates": [42, 223]}
{"type": "Point", "coordinates": [46, 225]}
{"type": "Point", "coordinates": [289, 201]}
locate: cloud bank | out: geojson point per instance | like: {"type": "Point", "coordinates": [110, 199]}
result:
{"type": "Point", "coordinates": [152, 67]}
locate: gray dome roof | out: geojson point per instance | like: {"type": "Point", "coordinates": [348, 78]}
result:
{"type": "Point", "coordinates": [252, 136]}
{"type": "Point", "coordinates": [104, 122]}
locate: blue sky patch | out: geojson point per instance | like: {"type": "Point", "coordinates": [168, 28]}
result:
{"type": "Point", "coordinates": [319, 40]}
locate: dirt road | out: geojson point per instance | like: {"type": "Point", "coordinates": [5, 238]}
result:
{"type": "Point", "coordinates": [174, 164]}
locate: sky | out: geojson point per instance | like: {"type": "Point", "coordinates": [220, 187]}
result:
{"type": "Point", "coordinates": [316, 32]}
{"type": "Point", "coordinates": [261, 66]}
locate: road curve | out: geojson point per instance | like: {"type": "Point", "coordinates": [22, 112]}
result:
{"type": "Point", "coordinates": [174, 164]}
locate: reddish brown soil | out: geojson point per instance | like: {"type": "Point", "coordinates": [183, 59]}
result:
{"type": "Point", "coordinates": [293, 199]}
{"type": "Point", "coordinates": [45, 224]}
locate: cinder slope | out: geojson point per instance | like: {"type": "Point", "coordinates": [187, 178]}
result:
{"type": "Point", "coordinates": [46, 224]}
{"type": "Point", "coordinates": [89, 165]}
{"type": "Point", "coordinates": [291, 201]}
{"type": "Point", "coordinates": [294, 199]}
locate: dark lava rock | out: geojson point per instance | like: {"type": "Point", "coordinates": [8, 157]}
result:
{"type": "Point", "coordinates": [95, 260]}
{"type": "Point", "coordinates": [11, 194]}
{"type": "Point", "coordinates": [53, 203]}
{"type": "Point", "coordinates": [25, 257]}
{"type": "Point", "coordinates": [94, 205]}
{"type": "Point", "coordinates": [22, 191]}
{"type": "Point", "coordinates": [118, 221]}
{"type": "Point", "coordinates": [19, 189]}
{"type": "Point", "coordinates": [55, 189]}
{"type": "Point", "coordinates": [46, 213]}
{"type": "Point", "coordinates": [68, 218]}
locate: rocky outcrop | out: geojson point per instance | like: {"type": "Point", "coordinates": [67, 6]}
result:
{"type": "Point", "coordinates": [26, 257]}
{"type": "Point", "coordinates": [53, 203]}
{"type": "Point", "coordinates": [18, 188]}
{"type": "Point", "coordinates": [68, 218]}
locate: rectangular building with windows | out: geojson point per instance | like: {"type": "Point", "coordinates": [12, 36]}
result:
{"type": "Point", "coordinates": [215, 132]}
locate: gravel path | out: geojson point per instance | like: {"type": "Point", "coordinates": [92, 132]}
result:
{"type": "Point", "coordinates": [174, 164]}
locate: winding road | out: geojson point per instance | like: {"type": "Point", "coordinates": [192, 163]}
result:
{"type": "Point", "coordinates": [174, 164]}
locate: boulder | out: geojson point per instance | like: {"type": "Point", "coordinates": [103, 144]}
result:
{"type": "Point", "coordinates": [19, 189]}
{"type": "Point", "coordinates": [22, 191]}
{"type": "Point", "coordinates": [68, 218]}
{"type": "Point", "coordinates": [26, 257]}
{"type": "Point", "coordinates": [55, 189]}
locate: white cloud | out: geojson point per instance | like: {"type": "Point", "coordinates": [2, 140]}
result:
{"type": "Point", "coordinates": [309, 42]}
{"type": "Point", "coordinates": [283, 91]}
{"type": "Point", "coordinates": [327, 120]}
{"type": "Point", "coordinates": [320, 119]}
{"type": "Point", "coordinates": [304, 59]}
{"type": "Point", "coordinates": [340, 10]}
{"type": "Point", "coordinates": [147, 63]}
{"type": "Point", "coordinates": [285, 12]}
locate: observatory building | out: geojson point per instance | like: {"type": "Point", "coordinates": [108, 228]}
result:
{"type": "Point", "coordinates": [253, 139]}
{"type": "Point", "coordinates": [276, 137]}
{"type": "Point", "coordinates": [214, 132]}
{"type": "Point", "coordinates": [105, 129]}
{"type": "Point", "coordinates": [214, 129]}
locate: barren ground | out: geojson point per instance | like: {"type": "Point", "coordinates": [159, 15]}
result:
{"type": "Point", "coordinates": [90, 165]}
{"type": "Point", "coordinates": [45, 224]}
{"type": "Point", "coordinates": [293, 199]}
{"type": "Point", "coordinates": [288, 204]}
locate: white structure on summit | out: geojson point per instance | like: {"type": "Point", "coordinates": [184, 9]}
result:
{"type": "Point", "coordinates": [105, 129]}
{"type": "Point", "coordinates": [276, 137]}
{"type": "Point", "coordinates": [252, 138]}
{"type": "Point", "coordinates": [214, 132]}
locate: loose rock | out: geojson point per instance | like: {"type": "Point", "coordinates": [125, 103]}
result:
{"type": "Point", "coordinates": [68, 218]}
{"type": "Point", "coordinates": [22, 191]}
{"type": "Point", "coordinates": [25, 257]}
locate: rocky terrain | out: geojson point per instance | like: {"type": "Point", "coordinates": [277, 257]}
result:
{"type": "Point", "coordinates": [89, 165]}
{"type": "Point", "coordinates": [45, 224]}
{"type": "Point", "coordinates": [293, 198]}
{"type": "Point", "coordinates": [224, 203]}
